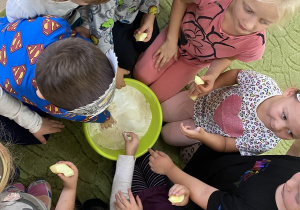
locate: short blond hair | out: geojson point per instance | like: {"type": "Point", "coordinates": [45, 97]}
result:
{"type": "Point", "coordinates": [284, 7]}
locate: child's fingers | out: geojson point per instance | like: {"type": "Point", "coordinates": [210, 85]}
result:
{"type": "Point", "coordinates": [139, 202]}
{"type": "Point", "coordinates": [163, 61]}
{"type": "Point", "coordinates": [71, 165]}
{"type": "Point", "coordinates": [118, 202]}
{"type": "Point", "coordinates": [122, 198]}
{"type": "Point", "coordinates": [126, 135]}
{"type": "Point", "coordinates": [175, 56]}
{"type": "Point", "coordinates": [158, 60]}
{"type": "Point", "coordinates": [175, 189]}
{"type": "Point", "coordinates": [42, 138]}
{"type": "Point", "coordinates": [161, 153]}
{"type": "Point", "coordinates": [151, 151]}
{"type": "Point", "coordinates": [131, 197]}
{"type": "Point", "coordinates": [156, 153]}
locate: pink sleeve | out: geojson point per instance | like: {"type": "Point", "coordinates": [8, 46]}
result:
{"type": "Point", "coordinates": [254, 50]}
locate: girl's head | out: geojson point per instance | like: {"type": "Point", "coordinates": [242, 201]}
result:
{"type": "Point", "coordinates": [251, 16]}
{"type": "Point", "coordinates": [283, 114]}
{"type": "Point", "coordinates": [6, 166]}
{"type": "Point", "coordinates": [287, 195]}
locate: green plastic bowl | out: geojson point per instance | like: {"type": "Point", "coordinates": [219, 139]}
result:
{"type": "Point", "coordinates": [149, 139]}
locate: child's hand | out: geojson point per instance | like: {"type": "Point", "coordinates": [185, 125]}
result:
{"type": "Point", "coordinates": [71, 181]}
{"type": "Point", "coordinates": [192, 134]}
{"type": "Point", "coordinates": [107, 123]}
{"type": "Point", "coordinates": [209, 81]}
{"type": "Point", "coordinates": [48, 126]}
{"type": "Point", "coordinates": [160, 162]}
{"type": "Point", "coordinates": [164, 53]}
{"type": "Point", "coordinates": [123, 204]}
{"type": "Point", "coordinates": [83, 31]}
{"type": "Point", "coordinates": [146, 26]}
{"type": "Point", "coordinates": [178, 190]}
{"type": "Point", "coordinates": [194, 90]}
{"type": "Point", "coordinates": [120, 77]}
{"type": "Point", "coordinates": [131, 142]}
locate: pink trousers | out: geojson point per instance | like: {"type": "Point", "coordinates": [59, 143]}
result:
{"type": "Point", "coordinates": [169, 80]}
{"type": "Point", "coordinates": [176, 110]}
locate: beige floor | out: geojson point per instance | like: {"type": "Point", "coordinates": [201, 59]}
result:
{"type": "Point", "coordinates": [2, 5]}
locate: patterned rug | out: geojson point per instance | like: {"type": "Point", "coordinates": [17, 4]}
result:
{"type": "Point", "coordinates": [280, 61]}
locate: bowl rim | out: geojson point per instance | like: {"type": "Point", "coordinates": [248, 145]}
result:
{"type": "Point", "coordinates": [122, 152]}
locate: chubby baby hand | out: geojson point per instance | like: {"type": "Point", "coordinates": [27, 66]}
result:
{"type": "Point", "coordinates": [107, 123]}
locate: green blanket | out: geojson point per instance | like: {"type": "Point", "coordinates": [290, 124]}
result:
{"type": "Point", "coordinates": [280, 61]}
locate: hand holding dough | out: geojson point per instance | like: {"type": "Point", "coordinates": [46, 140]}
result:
{"type": "Point", "coordinates": [61, 168]}
{"type": "Point", "coordinates": [198, 81]}
{"type": "Point", "coordinates": [140, 37]}
{"type": "Point", "coordinates": [176, 199]}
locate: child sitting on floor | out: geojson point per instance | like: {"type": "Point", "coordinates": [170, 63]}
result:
{"type": "Point", "coordinates": [44, 65]}
{"type": "Point", "coordinates": [251, 117]}
{"type": "Point", "coordinates": [21, 125]}
{"type": "Point", "coordinates": [38, 195]}
{"type": "Point", "coordinates": [206, 33]}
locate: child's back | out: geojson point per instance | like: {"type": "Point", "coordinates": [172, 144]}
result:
{"type": "Point", "coordinates": [24, 41]}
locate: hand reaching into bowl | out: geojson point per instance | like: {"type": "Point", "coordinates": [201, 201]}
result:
{"type": "Point", "coordinates": [108, 122]}
{"type": "Point", "coordinates": [131, 142]}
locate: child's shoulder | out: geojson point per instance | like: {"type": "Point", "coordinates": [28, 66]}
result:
{"type": "Point", "coordinates": [252, 77]}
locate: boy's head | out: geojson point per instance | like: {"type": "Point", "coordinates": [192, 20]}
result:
{"type": "Point", "coordinates": [73, 73]}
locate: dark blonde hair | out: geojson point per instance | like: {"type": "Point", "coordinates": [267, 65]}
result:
{"type": "Point", "coordinates": [73, 72]}
{"type": "Point", "coordinates": [7, 164]}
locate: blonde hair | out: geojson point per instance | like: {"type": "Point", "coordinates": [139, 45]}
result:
{"type": "Point", "coordinates": [284, 7]}
{"type": "Point", "coordinates": [7, 164]}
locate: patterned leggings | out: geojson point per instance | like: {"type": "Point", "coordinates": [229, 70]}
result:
{"type": "Point", "coordinates": [144, 177]}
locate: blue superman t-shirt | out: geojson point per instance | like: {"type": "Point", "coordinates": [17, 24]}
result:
{"type": "Point", "coordinates": [21, 43]}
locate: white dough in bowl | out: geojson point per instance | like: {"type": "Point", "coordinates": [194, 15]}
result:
{"type": "Point", "coordinates": [131, 112]}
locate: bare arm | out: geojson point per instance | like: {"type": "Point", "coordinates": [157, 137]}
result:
{"type": "Point", "coordinates": [216, 67]}
{"type": "Point", "coordinates": [169, 48]}
{"type": "Point", "coordinates": [214, 141]}
{"type": "Point", "coordinates": [227, 78]}
{"type": "Point", "coordinates": [68, 194]}
{"type": "Point", "coordinates": [177, 12]}
{"type": "Point", "coordinates": [199, 191]}
{"type": "Point", "coordinates": [294, 149]}
{"type": "Point", "coordinates": [66, 199]}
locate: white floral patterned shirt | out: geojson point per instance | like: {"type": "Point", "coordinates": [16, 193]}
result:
{"type": "Point", "coordinates": [231, 111]}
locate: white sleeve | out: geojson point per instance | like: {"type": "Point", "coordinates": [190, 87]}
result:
{"type": "Point", "coordinates": [14, 109]}
{"type": "Point", "coordinates": [123, 177]}
{"type": "Point", "coordinates": [14, 11]}
{"type": "Point", "coordinates": [24, 9]}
